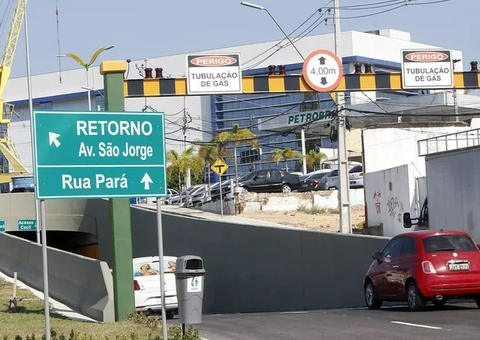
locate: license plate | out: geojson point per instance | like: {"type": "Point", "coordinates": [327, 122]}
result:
{"type": "Point", "coordinates": [458, 266]}
{"type": "Point", "coordinates": [304, 185]}
{"type": "Point", "coordinates": [168, 300]}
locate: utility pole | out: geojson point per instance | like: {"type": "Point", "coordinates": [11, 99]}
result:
{"type": "Point", "coordinates": [344, 190]}
{"type": "Point", "coordinates": [454, 93]}
{"type": "Point", "coordinates": [188, 181]}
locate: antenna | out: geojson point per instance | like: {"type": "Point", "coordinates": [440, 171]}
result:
{"type": "Point", "coordinates": [58, 43]}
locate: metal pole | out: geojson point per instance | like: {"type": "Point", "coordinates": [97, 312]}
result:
{"type": "Point", "coordinates": [344, 190]}
{"type": "Point", "coordinates": [304, 158]}
{"type": "Point", "coordinates": [46, 302]}
{"type": "Point", "coordinates": [221, 198]}
{"type": "Point", "coordinates": [30, 106]}
{"type": "Point", "coordinates": [88, 93]}
{"type": "Point", "coordinates": [161, 270]}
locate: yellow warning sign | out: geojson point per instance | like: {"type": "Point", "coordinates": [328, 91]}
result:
{"type": "Point", "coordinates": [219, 167]}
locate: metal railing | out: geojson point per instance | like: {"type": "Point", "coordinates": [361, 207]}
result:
{"type": "Point", "coordinates": [449, 142]}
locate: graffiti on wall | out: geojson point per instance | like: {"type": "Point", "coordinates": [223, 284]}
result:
{"type": "Point", "coordinates": [392, 205]}
{"type": "Point", "coordinates": [378, 204]}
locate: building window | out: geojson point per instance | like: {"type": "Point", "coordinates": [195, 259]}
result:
{"type": "Point", "coordinates": [99, 103]}
{"type": "Point", "coordinates": [45, 106]}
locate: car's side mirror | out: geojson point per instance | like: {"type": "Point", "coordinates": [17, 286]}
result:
{"type": "Point", "coordinates": [407, 220]}
{"type": "Point", "coordinates": [377, 256]}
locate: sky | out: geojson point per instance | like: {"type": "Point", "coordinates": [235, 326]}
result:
{"type": "Point", "coordinates": [153, 28]}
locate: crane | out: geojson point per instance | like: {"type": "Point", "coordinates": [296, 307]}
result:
{"type": "Point", "coordinates": [6, 109]}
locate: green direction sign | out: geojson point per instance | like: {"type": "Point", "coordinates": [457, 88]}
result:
{"type": "Point", "coordinates": [25, 225]}
{"type": "Point", "coordinates": [99, 154]}
{"type": "Point", "coordinates": [2, 226]}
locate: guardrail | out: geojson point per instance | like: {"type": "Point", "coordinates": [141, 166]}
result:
{"type": "Point", "coordinates": [449, 142]}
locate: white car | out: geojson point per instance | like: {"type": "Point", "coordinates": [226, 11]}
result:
{"type": "Point", "coordinates": [146, 282]}
{"type": "Point", "coordinates": [355, 176]}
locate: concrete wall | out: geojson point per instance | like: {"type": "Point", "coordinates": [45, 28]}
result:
{"type": "Point", "coordinates": [66, 215]}
{"type": "Point", "coordinates": [254, 268]}
{"type": "Point", "coordinates": [249, 268]}
{"type": "Point", "coordinates": [81, 283]}
{"type": "Point", "coordinates": [251, 201]}
{"type": "Point", "coordinates": [454, 191]}
{"type": "Point", "coordinates": [387, 148]}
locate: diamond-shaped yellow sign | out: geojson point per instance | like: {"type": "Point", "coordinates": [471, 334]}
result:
{"type": "Point", "coordinates": [219, 167]}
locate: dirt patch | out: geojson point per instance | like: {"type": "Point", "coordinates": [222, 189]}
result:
{"type": "Point", "coordinates": [322, 221]}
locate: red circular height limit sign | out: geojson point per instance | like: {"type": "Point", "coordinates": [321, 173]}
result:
{"type": "Point", "coordinates": [322, 70]}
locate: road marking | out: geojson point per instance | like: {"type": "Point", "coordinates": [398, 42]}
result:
{"type": "Point", "coordinates": [294, 312]}
{"type": "Point", "coordinates": [415, 325]}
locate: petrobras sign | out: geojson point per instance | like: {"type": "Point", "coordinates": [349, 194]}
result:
{"type": "Point", "coordinates": [296, 119]}
{"type": "Point", "coordinates": [427, 69]}
{"type": "Point", "coordinates": [214, 74]}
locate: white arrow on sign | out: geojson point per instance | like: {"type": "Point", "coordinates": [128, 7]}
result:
{"type": "Point", "coordinates": [146, 180]}
{"type": "Point", "coordinates": [53, 139]}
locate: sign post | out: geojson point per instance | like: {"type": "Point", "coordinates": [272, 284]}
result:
{"type": "Point", "coordinates": [111, 154]}
{"type": "Point", "coordinates": [219, 167]}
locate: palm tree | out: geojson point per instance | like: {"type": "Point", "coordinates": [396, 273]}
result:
{"type": "Point", "coordinates": [313, 159]}
{"type": "Point", "coordinates": [181, 162]}
{"type": "Point", "coordinates": [284, 154]}
{"type": "Point", "coordinates": [208, 153]}
{"type": "Point", "coordinates": [237, 137]}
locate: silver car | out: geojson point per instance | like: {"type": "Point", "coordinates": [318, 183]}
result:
{"type": "Point", "coordinates": [355, 177]}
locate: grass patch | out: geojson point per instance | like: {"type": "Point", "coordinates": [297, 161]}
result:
{"type": "Point", "coordinates": [27, 322]}
{"type": "Point", "coordinates": [314, 210]}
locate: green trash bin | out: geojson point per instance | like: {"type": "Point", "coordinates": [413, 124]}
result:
{"type": "Point", "coordinates": [189, 277]}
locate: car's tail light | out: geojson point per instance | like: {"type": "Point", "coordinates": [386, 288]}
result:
{"type": "Point", "coordinates": [360, 174]}
{"type": "Point", "coordinates": [314, 182]}
{"type": "Point", "coordinates": [136, 286]}
{"type": "Point", "coordinates": [427, 267]}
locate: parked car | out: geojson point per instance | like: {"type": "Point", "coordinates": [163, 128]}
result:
{"type": "Point", "coordinates": [270, 180]}
{"type": "Point", "coordinates": [21, 189]}
{"type": "Point", "coordinates": [355, 177]}
{"type": "Point", "coordinates": [146, 283]}
{"type": "Point", "coordinates": [173, 197]}
{"type": "Point", "coordinates": [422, 266]}
{"type": "Point", "coordinates": [314, 182]}
{"type": "Point", "coordinates": [215, 190]}
{"type": "Point", "coordinates": [186, 195]}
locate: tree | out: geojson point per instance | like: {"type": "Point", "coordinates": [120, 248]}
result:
{"type": "Point", "coordinates": [236, 137]}
{"type": "Point", "coordinates": [181, 162]}
{"type": "Point", "coordinates": [313, 159]}
{"type": "Point", "coordinates": [286, 154]}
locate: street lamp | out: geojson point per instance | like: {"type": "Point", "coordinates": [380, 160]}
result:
{"type": "Point", "coordinates": [344, 192]}
{"type": "Point", "coordinates": [87, 66]}
{"type": "Point", "coordinates": [248, 4]}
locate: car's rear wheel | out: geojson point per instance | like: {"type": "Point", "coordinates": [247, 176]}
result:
{"type": "Point", "coordinates": [415, 300]}
{"type": "Point", "coordinates": [477, 300]}
{"type": "Point", "coordinates": [170, 314]}
{"type": "Point", "coordinates": [370, 297]}
{"type": "Point", "coordinates": [286, 188]}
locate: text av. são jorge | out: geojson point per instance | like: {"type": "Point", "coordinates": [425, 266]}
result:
{"type": "Point", "coordinates": [115, 128]}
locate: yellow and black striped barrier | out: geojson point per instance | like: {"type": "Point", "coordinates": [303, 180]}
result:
{"type": "Point", "coordinates": [167, 87]}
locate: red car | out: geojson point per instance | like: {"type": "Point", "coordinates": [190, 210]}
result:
{"type": "Point", "coordinates": [423, 266]}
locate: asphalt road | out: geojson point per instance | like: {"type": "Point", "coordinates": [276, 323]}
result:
{"type": "Point", "coordinates": [459, 321]}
